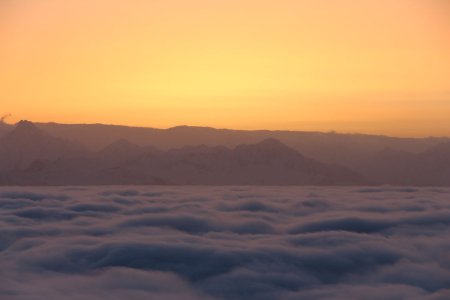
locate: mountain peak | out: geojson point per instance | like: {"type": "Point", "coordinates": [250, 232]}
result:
{"type": "Point", "coordinates": [25, 129]}
{"type": "Point", "coordinates": [25, 123]}
{"type": "Point", "coordinates": [271, 142]}
{"type": "Point", "coordinates": [269, 148]}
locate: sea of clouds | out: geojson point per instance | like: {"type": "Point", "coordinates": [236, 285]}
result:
{"type": "Point", "coordinates": [139, 243]}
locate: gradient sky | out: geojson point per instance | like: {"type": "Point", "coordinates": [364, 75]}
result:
{"type": "Point", "coordinates": [375, 66]}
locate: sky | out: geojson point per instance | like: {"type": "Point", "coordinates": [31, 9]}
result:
{"type": "Point", "coordinates": [373, 66]}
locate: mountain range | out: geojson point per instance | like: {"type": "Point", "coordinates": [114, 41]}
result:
{"type": "Point", "coordinates": [61, 154]}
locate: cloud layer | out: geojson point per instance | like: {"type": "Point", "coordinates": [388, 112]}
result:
{"type": "Point", "coordinates": [224, 243]}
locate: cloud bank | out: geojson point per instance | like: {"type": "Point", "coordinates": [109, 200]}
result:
{"type": "Point", "coordinates": [224, 243]}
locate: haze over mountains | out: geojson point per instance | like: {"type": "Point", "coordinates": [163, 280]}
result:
{"type": "Point", "coordinates": [60, 154]}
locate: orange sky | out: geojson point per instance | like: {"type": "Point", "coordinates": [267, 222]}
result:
{"type": "Point", "coordinates": [375, 66]}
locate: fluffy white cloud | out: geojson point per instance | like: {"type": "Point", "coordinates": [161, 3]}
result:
{"type": "Point", "coordinates": [224, 243]}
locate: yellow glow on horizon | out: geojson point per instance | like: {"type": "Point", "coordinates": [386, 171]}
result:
{"type": "Point", "coordinates": [375, 66]}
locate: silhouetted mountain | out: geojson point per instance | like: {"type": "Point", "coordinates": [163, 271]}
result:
{"type": "Point", "coordinates": [349, 150]}
{"type": "Point", "coordinates": [387, 166]}
{"type": "Point", "coordinates": [432, 167]}
{"type": "Point", "coordinates": [26, 143]}
{"type": "Point", "coordinates": [265, 151]}
{"type": "Point", "coordinates": [122, 151]}
{"type": "Point", "coordinates": [268, 162]}
{"type": "Point", "coordinates": [30, 154]}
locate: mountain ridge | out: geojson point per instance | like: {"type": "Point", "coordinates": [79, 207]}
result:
{"type": "Point", "coordinates": [195, 151]}
{"type": "Point", "coordinates": [268, 162]}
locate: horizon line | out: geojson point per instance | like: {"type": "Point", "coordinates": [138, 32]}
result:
{"type": "Point", "coordinates": [2, 121]}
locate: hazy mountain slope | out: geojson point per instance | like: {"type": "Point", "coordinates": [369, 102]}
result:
{"type": "Point", "coordinates": [122, 151]}
{"type": "Point", "coordinates": [26, 144]}
{"type": "Point", "coordinates": [29, 154]}
{"type": "Point", "coordinates": [349, 150]}
{"type": "Point", "coordinates": [268, 162]}
{"type": "Point", "coordinates": [98, 136]}
{"type": "Point", "coordinates": [431, 167]}
{"type": "Point", "coordinates": [428, 168]}
{"type": "Point", "coordinates": [387, 166]}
